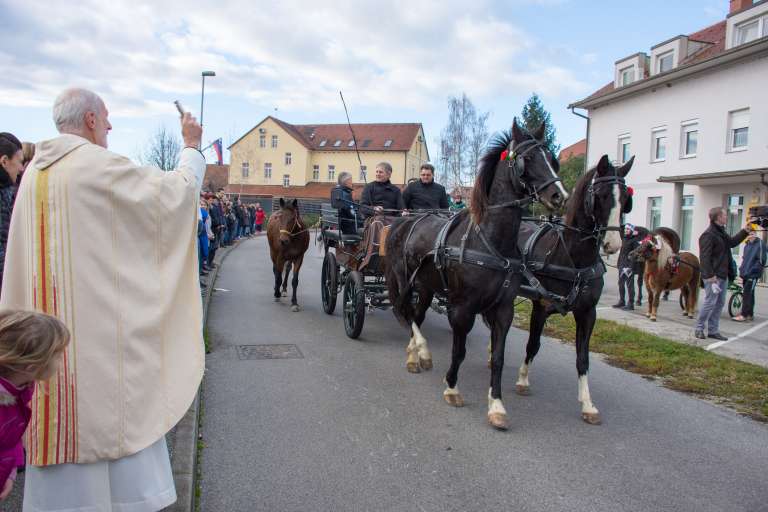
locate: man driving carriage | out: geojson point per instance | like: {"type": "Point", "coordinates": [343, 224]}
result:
{"type": "Point", "coordinates": [381, 195]}
{"type": "Point", "coordinates": [425, 194]}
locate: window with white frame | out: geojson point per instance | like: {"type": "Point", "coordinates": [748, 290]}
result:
{"type": "Point", "coordinates": [625, 148]}
{"type": "Point", "coordinates": [750, 30]}
{"type": "Point", "coordinates": [274, 141]}
{"type": "Point", "coordinates": [245, 169]}
{"type": "Point", "coordinates": [316, 172]}
{"type": "Point", "coordinates": [363, 173]}
{"type": "Point", "coordinates": [689, 139]}
{"type": "Point", "coordinates": [686, 223]}
{"type": "Point", "coordinates": [267, 170]}
{"type": "Point", "coordinates": [286, 180]}
{"type": "Point", "coordinates": [262, 141]}
{"type": "Point", "coordinates": [654, 212]}
{"type": "Point", "coordinates": [738, 130]}
{"type": "Point", "coordinates": [351, 143]}
{"type": "Point", "coordinates": [323, 143]}
{"type": "Point", "coordinates": [664, 62]}
{"type": "Point", "coordinates": [287, 159]}
{"type": "Point", "coordinates": [331, 172]}
{"type": "Point", "coordinates": [627, 75]}
{"type": "Point", "coordinates": [337, 143]}
{"type": "Point", "coordinates": [659, 145]}
{"type": "Point", "coordinates": [735, 208]}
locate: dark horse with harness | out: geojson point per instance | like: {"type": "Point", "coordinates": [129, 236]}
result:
{"type": "Point", "coordinates": [472, 260]}
{"type": "Point", "coordinates": [563, 268]}
{"type": "Point", "coordinates": [288, 239]}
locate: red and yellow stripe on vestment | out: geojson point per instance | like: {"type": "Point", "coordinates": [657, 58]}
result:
{"type": "Point", "coordinates": [52, 434]}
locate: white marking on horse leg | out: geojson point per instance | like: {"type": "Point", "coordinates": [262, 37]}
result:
{"type": "Point", "coordinates": [613, 238]}
{"type": "Point", "coordinates": [413, 359]}
{"type": "Point", "coordinates": [584, 398]}
{"type": "Point", "coordinates": [494, 405]}
{"type": "Point", "coordinates": [421, 343]}
{"type": "Point", "coordinates": [522, 376]}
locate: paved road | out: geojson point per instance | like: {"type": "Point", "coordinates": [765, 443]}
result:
{"type": "Point", "coordinates": [346, 428]}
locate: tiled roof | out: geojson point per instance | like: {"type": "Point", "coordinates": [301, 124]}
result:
{"type": "Point", "coordinates": [216, 177]}
{"type": "Point", "coordinates": [370, 137]}
{"type": "Point", "coordinates": [714, 34]}
{"type": "Point", "coordinates": [577, 149]}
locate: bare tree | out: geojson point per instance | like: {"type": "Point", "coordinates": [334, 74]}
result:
{"type": "Point", "coordinates": [462, 141]}
{"type": "Point", "coordinates": [162, 150]}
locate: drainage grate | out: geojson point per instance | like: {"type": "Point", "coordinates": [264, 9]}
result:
{"type": "Point", "coordinates": [286, 351]}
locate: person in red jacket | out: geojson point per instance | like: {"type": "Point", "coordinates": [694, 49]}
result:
{"type": "Point", "coordinates": [260, 216]}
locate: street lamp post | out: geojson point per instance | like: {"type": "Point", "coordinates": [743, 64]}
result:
{"type": "Point", "coordinates": [202, 94]}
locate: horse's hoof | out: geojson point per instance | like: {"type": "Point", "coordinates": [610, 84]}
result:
{"type": "Point", "coordinates": [647, 315]}
{"type": "Point", "coordinates": [284, 293]}
{"type": "Point", "coordinates": [426, 364]}
{"type": "Point", "coordinates": [456, 400]}
{"type": "Point", "coordinates": [498, 420]}
{"type": "Point", "coordinates": [653, 319]}
{"type": "Point", "coordinates": [523, 390]}
{"type": "Point", "coordinates": [413, 367]}
{"type": "Point", "coordinates": [295, 308]}
{"type": "Point", "coordinates": [593, 418]}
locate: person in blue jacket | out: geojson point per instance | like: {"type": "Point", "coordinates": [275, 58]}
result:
{"type": "Point", "coordinates": [752, 264]}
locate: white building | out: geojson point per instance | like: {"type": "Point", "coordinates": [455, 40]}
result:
{"type": "Point", "coordinates": [694, 113]}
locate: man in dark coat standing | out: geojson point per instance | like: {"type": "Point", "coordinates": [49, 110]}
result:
{"type": "Point", "coordinates": [382, 195]}
{"type": "Point", "coordinates": [632, 236]}
{"type": "Point", "coordinates": [425, 194]}
{"type": "Point", "coordinates": [714, 252]}
{"type": "Point", "coordinates": [753, 263]}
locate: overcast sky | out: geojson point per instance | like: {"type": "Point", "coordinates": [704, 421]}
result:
{"type": "Point", "coordinates": [395, 60]}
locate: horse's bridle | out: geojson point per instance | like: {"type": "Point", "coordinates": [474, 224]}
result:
{"type": "Point", "coordinates": [516, 162]}
{"type": "Point", "coordinates": [589, 199]}
{"type": "Point", "coordinates": [296, 224]}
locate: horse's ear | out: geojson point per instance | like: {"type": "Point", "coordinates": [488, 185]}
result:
{"type": "Point", "coordinates": [295, 203]}
{"type": "Point", "coordinates": [624, 169]}
{"type": "Point", "coordinates": [603, 165]}
{"type": "Point", "coordinates": [540, 132]}
{"type": "Point", "coordinates": [282, 203]}
{"type": "Point", "coordinates": [518, 134]}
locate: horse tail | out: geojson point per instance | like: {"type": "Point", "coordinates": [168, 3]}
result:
{"type": "Point", "coordinates": [396, 274]}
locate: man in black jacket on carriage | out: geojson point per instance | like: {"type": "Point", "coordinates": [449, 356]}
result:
{"type": "Point", "coordinates": [628, 268]}
{"type": "Point", "coordinates": [381, 195]}
{"type": "Point", "coordinates": [425, 194]}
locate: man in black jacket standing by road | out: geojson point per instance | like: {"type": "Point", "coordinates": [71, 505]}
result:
{"type": "Point", "coordinates": [425, 194]}
{"type": "Point", "coordinates": [381, 195]}
{"type": "Point", "coordinates": [714, 252]}
{"type": "Point", "coordinates": [628, 268]}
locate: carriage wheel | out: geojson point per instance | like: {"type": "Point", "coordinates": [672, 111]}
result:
{"type": "Point", "coordinates": [329, 282]}
{"type": "Point", "coordinates": [734, 304]}
{"type": "Point", "coordinates": [354, 304]}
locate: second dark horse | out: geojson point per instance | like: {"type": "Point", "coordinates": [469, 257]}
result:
{"type": "Point", "coordinates": [515, 166]}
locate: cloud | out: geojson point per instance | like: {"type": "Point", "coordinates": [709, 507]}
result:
{"type": "Point", "coordinates": [295, 55]}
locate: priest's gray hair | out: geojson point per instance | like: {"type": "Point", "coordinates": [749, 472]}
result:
{"type": "Point", "coordinates": [343, 176]}
{"type": "Point", "coordinates": [70, 108]}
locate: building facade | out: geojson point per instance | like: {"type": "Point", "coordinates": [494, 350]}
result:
{"type": "Point", "coordinates": [276, 153]}
{"type": "Point", "coordinates": [694, 114]}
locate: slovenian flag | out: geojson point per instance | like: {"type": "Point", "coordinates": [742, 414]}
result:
{"type": "Point", "coordinates": [217, 149]}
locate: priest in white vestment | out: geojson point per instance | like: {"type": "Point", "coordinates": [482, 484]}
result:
{"type": "Point", "coordinates": [108, 247]}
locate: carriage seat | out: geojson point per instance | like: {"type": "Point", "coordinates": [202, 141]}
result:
{"type": "Point", "coordinates": [335, 234]}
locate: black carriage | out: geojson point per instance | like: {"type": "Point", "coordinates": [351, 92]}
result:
{"type": "Point", "coordinates": [354, 265]}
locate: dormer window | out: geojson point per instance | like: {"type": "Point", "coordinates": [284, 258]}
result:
{"type": "Point", "coordinates": [387, 143]}
{"type": "Point", "coordinates": [627, 75]}
{"type": "Point", "coordinates": [665, 61]}
{"type": "Point", "coordinates": [351, 143]}
{"type": "Point", "coordinates": [337, 143]}
{"type": "Point", "coordinates": [750, 30]}
{"type": "Point", "coordinates": [323, 143]}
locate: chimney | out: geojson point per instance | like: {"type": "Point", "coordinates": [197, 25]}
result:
{"type": "Point", "coordinates": [739, 5]}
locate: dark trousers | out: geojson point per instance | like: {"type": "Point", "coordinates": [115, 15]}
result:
{"type": "Point", "coordinates": [627, 283]}
{"type": "Point", "coordinates": [748, 301]}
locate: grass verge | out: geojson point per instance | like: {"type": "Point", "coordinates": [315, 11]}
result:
{"type": "Point", "coordinates": [735, 384]}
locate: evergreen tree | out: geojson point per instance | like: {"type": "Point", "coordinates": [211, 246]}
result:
{"type": "Point", "coordinates": [533, 115]}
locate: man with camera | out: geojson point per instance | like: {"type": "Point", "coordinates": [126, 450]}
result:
{"type": "Point", "coordinates": [715, 256]}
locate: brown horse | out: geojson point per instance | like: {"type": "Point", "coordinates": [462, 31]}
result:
{"type": "Point", "coordinates": [288, 239]}
{"type": "Point", "coordinates": [666, 270]}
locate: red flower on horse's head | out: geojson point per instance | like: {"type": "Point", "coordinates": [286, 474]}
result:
{"type": "Point", "coordinates": [630, 191]}
{"type": "Point", "coordinates": [504, 155]}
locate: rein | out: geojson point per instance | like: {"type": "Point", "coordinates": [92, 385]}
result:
{"type": "Point", "coordinates": [296, 224]}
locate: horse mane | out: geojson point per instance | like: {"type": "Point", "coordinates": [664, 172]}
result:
{"type": "Point", "coordinates": [576, 200]}
{"type": "Point", "coordinates": [665, 252]}
{"type": "Point", "coordinates": [486, 172]}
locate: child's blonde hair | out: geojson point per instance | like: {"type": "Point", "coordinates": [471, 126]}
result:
{"type": "Point", "coordinates": [29, 341]}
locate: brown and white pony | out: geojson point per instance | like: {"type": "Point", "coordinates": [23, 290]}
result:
{"type": "Point", "coordinates": [666, 270]}
{"type": "Point", "coordinates": [288, 239]}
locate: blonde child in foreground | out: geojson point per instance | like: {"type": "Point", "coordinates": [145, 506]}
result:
{"type": "Point", "coordinates": [31, 345]}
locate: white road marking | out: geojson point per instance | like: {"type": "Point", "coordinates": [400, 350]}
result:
{"type": "Point", "coordinates": [221, 290]}
{"type": "Point", "coordinates": [718, 344]}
